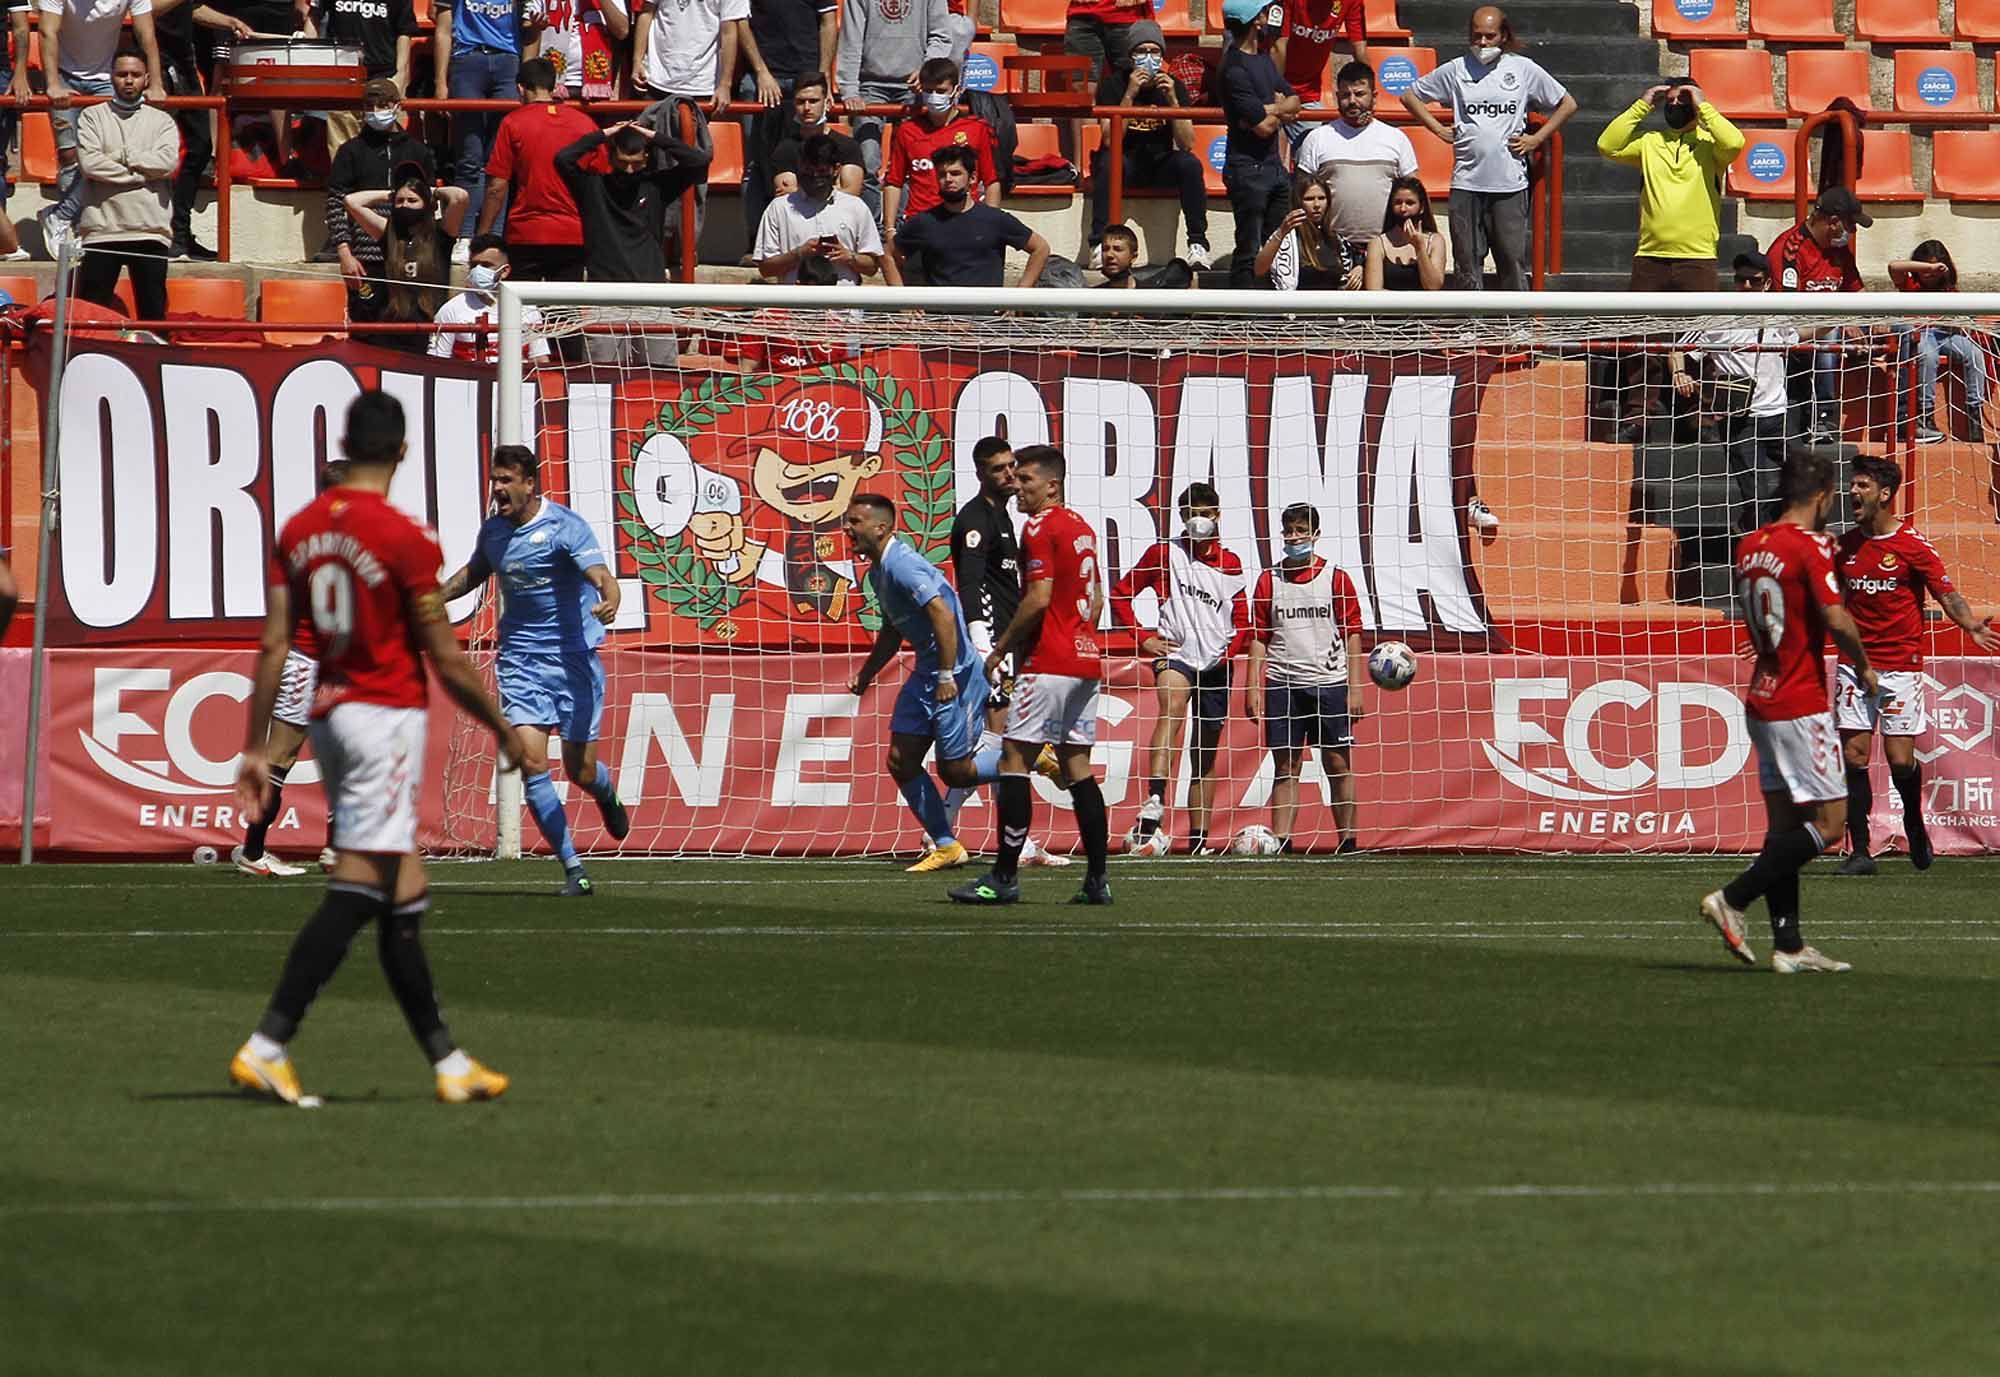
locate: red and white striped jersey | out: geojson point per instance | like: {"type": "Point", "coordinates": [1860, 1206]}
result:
{"type": "Point", "coordinates": [1200, 587]}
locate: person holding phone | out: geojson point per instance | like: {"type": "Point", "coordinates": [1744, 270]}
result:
{"type": "Point", "coordinates": [818, 221]}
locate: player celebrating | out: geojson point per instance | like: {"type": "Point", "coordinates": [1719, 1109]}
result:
{"type": "Point", "coordinates": [366, 575]}
{"type": "Point", "coordinates": [560, 596]}
{"type": "Point", "coordinates": [1885, 568]}
{"type": "Point", "coordinates": [938, 704]}
{"type": "Point", "coordinates": [1200, 587]}
{"type": "Point", "coordinates": [1789, 597]}
{"type": "Point", "coordinates": [1055, 700]}
{"type": "Point", "coordinates": [1305, 629]}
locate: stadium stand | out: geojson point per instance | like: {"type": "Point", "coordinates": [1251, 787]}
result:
{"type": "Point", "coordinates": [1764, 170]}
{"type": "Point", "coordinates": [302, 301]}
{"type": "Point", "coordinates": [219, 297]}
{"type": "Point", "coordinates": [1977, 20]}
{"type": "Point", "coordinates": [1380, 19]}
{"type": "Point", "coordinates": [985, 66]}
{"type": "Point", "coordinates": [1707, 21]}
{"type": "Point", "coordinates": [1886, 167]}
{"type": "Point", "coordinates": [1890, 22]}
{"type": "Point", "coordinates": [1934, 79]}
{"type": "Point", "coordinates": [727, 168]}
{"type": "Point", "coordinates": [1038, 17]}
{"type": "Point", "coordinates": [1176, 19]}
{"type": "Point", "coordinates": [1795, 21]}
{"type": "Point", "coordinates": [1737, 80]}
{"type": "Point", "coordinates": [1965, 165]}
{"type": "Point", "coordinates": [1815, 77]}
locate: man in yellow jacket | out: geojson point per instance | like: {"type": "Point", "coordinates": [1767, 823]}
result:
{"type": "Point", "coordinates": [1680, 207]}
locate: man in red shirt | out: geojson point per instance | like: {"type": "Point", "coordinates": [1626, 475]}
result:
{"type": "Point", "coordinates": [366, 576]}
{"type": "Point", "coordinates": [544, 232]}
{"type": "Point", "coordinates": [1885, 569]}
{"type": "Point", "coordinates": [937, 124]}
{"type": "Point", "coordinates": [1055, 698]}
{"type": "Point", "coordinates": [1311, 30]}
{"type": "Point", "coordinates": [1789, 598]}
{"type": "Point", "coordinates": [1818, 256]}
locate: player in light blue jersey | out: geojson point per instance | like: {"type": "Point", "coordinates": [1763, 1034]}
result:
{"type": "Point", "coordinates": [943, 705]}
{"type": "Point", "coordinates": [559, 596]}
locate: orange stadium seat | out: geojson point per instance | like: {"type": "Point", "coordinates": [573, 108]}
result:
{"type": "Point", "coordinates": [1886, 173]}
{"type": "Point", "coordinates": [1764, 170]}
{"type": "Point", "coordinates": [1965, 164]}
{"type": "Point", "coordinates": [301, 301]}
{"type": "Point", "coordinates": [1211, 144]}
{"type": "Point", "coordinates": [1378, 18]}
{"type": "Point", "coordinates": [1795, 21]}
{"type": "Point", "coordinates": [38, 149]}
{"type": "Point", "coordinates": [1041, 141]}
{"type": "Point", "coordinates": [1711, 21]}
{"type": "Point", "coordinates": [1979, 20]}
{"type": "Point", "coordinates": [726, 170]}
{"type": "Point", "coordinates": [985, 66]}
{"type": "Point", "coordinates": [1737, 81]}
{"type": "Point", "coordinates": [25, 291]}
{"type": "Point", "coordinates": [1034, 16]}
{"type": "Point", "coordinates": [1937, 79]}
{"type": "Point", "coordinates": [1815, 77]}
{"type": "Point", "coordinates": [1396, 69]}
{"type": "Point", "coordinates": [1434, 160]}
{"type": "Point", "coordinates": [220, 298]}
{"type": "Point", "coordinates": [1176, 19]}
{"type": "Point", "coordinates": [1890, 22]}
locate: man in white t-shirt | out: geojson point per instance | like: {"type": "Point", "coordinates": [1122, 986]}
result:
{"type": "Point", "coordinates": [818, 221]}
{"type": "Point", "coordinates": [690, 49]}
{"type": "Point", "coordinates": [1366, 154]}
{"type": "Point", "coordinates": [79, 40]}
{"type": "Point", "coordinates": [1490, 91]}
{"type": "Point", "coordinates": [457, 334]}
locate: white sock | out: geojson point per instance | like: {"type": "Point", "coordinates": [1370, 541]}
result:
{"type": "Point", "coordinates": [457, 1064]}
{"type": "Point", "coordinates": [264, 1049]}
{"type": "Point", "coordinates": [954, 799]}
{"type": "Point", "coordinates": [1029, 851]}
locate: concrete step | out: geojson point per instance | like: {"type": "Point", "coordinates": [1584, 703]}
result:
{"type": "Point", "coordinates": [1531, 18]}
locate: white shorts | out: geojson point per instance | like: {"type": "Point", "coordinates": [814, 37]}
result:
{"type": "Point", "coordinates": [371, 759]}
{"type": "Point", "coordinates": [1054, 708]}
{"type": "Point", "coordinates": [1901, 710]}
{"type": "Point", "coordinates": [295, 689]}
{"type": "Point", "coordinates": [1800, 757]}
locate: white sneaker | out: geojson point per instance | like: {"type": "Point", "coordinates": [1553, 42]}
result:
{"type": "Point", "coordinates": [1716, 912]}
{"type": "Point", "coordinates": [55, 233]}
{"type": "Point", "coordinates": [327, 857]}
{"type": "Point", "coordinates": [266, 865]}
{"type": "Point", "coordinates": [1197, 257]}
{"type": "Point", "coordinates": [1481, 516]}
{"type": "Point", "coordinates": [1034, 853]}
{"type": "Point", "coordinates": [1152, 810]}
{"type": "Point", "coordinates": [461, 253]}
{"type": "Point", "coordinates": [1805, 961]}
{"type": "Point", "coordinates": [17, 256]}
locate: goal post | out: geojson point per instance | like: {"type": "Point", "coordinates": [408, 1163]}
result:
{"type": "Point", "coordinates": [1538, 492]}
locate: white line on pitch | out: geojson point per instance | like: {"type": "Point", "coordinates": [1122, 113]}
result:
{"type": "Point", "coordinates": [1108, 1195]}
{"type": "Point", "coordinates": [1330, 932]}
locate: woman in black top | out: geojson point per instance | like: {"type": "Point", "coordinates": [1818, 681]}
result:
{"type": "Point", "coordinates": [416, 226]}
{"type": "Point", "coordinates": [1409, 254]}
{"type": "Point", "coordinates": [1306, 254]}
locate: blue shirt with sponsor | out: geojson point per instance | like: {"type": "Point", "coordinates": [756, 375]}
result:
{"type": "Point", "coordinates": [485, 24]}
{"type": "Point", "coordinates": [905, 584]}
{"type": "Point", "coordinates": [541, 564]}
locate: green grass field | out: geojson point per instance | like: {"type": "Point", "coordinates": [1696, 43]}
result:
{"type": "Point", "coordinates": [1390, 1116]}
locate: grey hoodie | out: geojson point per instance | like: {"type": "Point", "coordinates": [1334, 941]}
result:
{"type": "Point", "coordinates": [886, 40]}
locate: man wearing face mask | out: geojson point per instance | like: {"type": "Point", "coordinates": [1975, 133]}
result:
{"type": "Point", "coordinates": [1818, 256]}
{"type": "Point", "coordinates": [1490, 92]}
{"type": "Point", "coordinates": [368, 163]}
{"type": "Point", "coordinates": [909, 183]}
{"type": "Point", "coordinates": [1680, 211]}
{"type": "Point", "coordinates": [464, 322]}
{"type": "Point", "coordinates": [128, 151]}
{"type": "Point", "coordinates": [818, 221]}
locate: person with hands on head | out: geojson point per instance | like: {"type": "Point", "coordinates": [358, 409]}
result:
{"type": "Point", "coordinates": [1159, 152]}
{"type": "Point", "coordinates": [1409, 254]}
{"type": "Point", "coordinates": [369, 162]}
{"type": "Point", "coordinates": [416, 224]}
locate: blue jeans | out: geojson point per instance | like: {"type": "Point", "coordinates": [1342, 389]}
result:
{"type": "Point", "coordinates": [69, 180]}
{"type": "Point", "coordinates": [1260, 195]}
{"type": "Point", "coordinates": [1931, 344]}
{"type": "Point", "coordinates": [478, 74]}
{"type": "Point", "coordinates": [761, 133]}
{"type": "Point", "coordinates": [870, 133]}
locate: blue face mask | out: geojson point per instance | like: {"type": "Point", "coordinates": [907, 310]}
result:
{"type": "Point", "coordinates": [1148, 62]}
{"type": "Point", "coordinates": [1298, 552]}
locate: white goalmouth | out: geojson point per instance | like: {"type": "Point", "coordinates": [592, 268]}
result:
{"type": "Point", "coordinates": [1539, 494]}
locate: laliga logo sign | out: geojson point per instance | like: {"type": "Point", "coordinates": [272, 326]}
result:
{"type": "Point", "coordinates": [1579, 774]}
{"type": "Point", "coordinates": [111, 724]}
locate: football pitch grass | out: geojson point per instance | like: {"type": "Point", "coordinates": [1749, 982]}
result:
{"type": "Point", "coordinates": [1383, 1116]}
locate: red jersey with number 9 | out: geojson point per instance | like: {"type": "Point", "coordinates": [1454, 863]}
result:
{"type": "Point", "coordinates": [1784, 577]}
{"type": "Point", "coordinates": [1058, 546]}
{"type": "Point", "coordinates": [352, 562]}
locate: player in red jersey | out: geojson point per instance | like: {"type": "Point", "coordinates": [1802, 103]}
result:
{"type": "Point", "coordinates": [366, 575]}
{"type": "Point", "coordinates": [1885, 569]}
{"type": "Point", "coordinates": [1055, 697]}
{"type": "Point", "coordinates": [1789, 598]}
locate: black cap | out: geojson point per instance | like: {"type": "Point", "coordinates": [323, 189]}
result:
{"type": "Point", "coordinates": [1752, 262]}
{"type": "Point", "coordinates": [1838, 200]}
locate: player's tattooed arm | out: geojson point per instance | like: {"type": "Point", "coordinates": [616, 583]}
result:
{"type": "Point", "coordinates": [253, 776]}
{"type": "Point", "coordinates": [887, 642]}
{"type": "Point", "coordinates": [608, 593]}
{"type": "Point", "coordinates": [1960, 611]}
{"type": "Point", "coordinates": [1840, 626]}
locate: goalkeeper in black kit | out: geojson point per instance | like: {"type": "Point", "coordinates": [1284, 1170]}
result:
{"type": "Point", "coordinates": [986, 566]}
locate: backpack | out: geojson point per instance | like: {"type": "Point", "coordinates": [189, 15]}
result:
{"type": "Point", "coordinates": [999, 117]}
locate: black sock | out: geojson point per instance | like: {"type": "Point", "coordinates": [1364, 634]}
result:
{"type": "Point", "coordinates": [253, 839]}
{"type": "Point", "coordinates": [1197, 839]}
{"type": "Point", "coordinates": [317, 953]}
{"type": "Point", "coordinates": [1285, 847]}
{"type": "Point", "coordinates": [1784, 853]}
{"type": "Point", "coordinates": [1910, 786]}
{"type": "Point", "coordinates": [400, 945]}
{"type": "Point", "coordinates": [1092, 824]}
{"type": "Point", "coordinates": [1860, 798]}
{"type": "Point", "coordinates": [1017, 815]}
{"type": "Point", "coordinates": [1782, 898]}
{"type": "Point", "coordinates": [1155, 789]}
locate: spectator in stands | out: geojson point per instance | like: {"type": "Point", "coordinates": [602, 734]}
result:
{"type": "Point", "coordinates": [624, 212]}
{"type": "Point", "coordinates": [1929, 268]}
{"type": "Point", "coordinates": [465, 321]}
{"type": "Point", "coordinates": [1818, 256]}
{"type": "Point", "coordinates": [13, 76]}
{"type": "Point", "coordinates": [1305, 252]}
{"type": "Point", "coordinates": [1409, 254]}
{"type": "Point", "coordinates": [883, 49]}
{"type": "Point", "coordinates": [476, 53]}
{"type": "Point", "coordinates": [960, 242]}
{"type": "Point", "coordinates": [1747, 369]}
{"type": "Point", "coordinates": [818, 222]}
{"type": "Point", "coordinates": [544, 231]}
{"type": "Point", "coordinates": [786, 42]}
{"type": "Point", "coordinates": [231, 22]}
{"type": "Point", "coordinates": [1122, 271]}
{"type": "Point", "coordinates": [1490, 91]}
{"type": "Point", "coordinates": [416, 224]}
{"type": "Point", "coordinates": [1680, 210]}
{"type": "Point", "coordinates": [691, 49]}
{"type": "Point", "coordinates": [1158, 152]}
{"type": "Point", "coordinates": [1304, 46]}
{"type": "Point", "coordinates": [588, 43]}
{"type": "Point", "coordinates": [1257, 103]}
{"type": "Point", "coordinates": [127, 150]}
{"type": "Point", "coordinates": [79, 40]}
{"type": "Point", "coordinates": [1101, 30]}
{"type": "Point", "coordinates": [174, 29]}
{"type": "Point", "coordinates": [1365, 156]}
{"type": "Point", "coordinates": [368, 162]}
{"type": "Point", "coordinates": [909, 186]}
{"type": "Point", "coordinates": [384, 31]}
{"type": "Point", "coordinates": [812, 105]}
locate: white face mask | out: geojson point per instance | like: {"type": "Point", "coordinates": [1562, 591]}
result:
{"type": "Point", "coordinates": [1201, 527]}
{"type": "Point", "coordinates": [1303, 551]}
{"type": "Point", "coordinates": [381, 120]}
{"type": "Point", "coordinates": [940, 102]}
{"type": "Point", "coordinates": [481, 278]}
{"type": "Point", "coordinates": [1489, 56]}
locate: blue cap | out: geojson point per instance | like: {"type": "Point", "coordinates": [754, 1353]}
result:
{"type": "Point", "coordinates": [1243, 11]}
